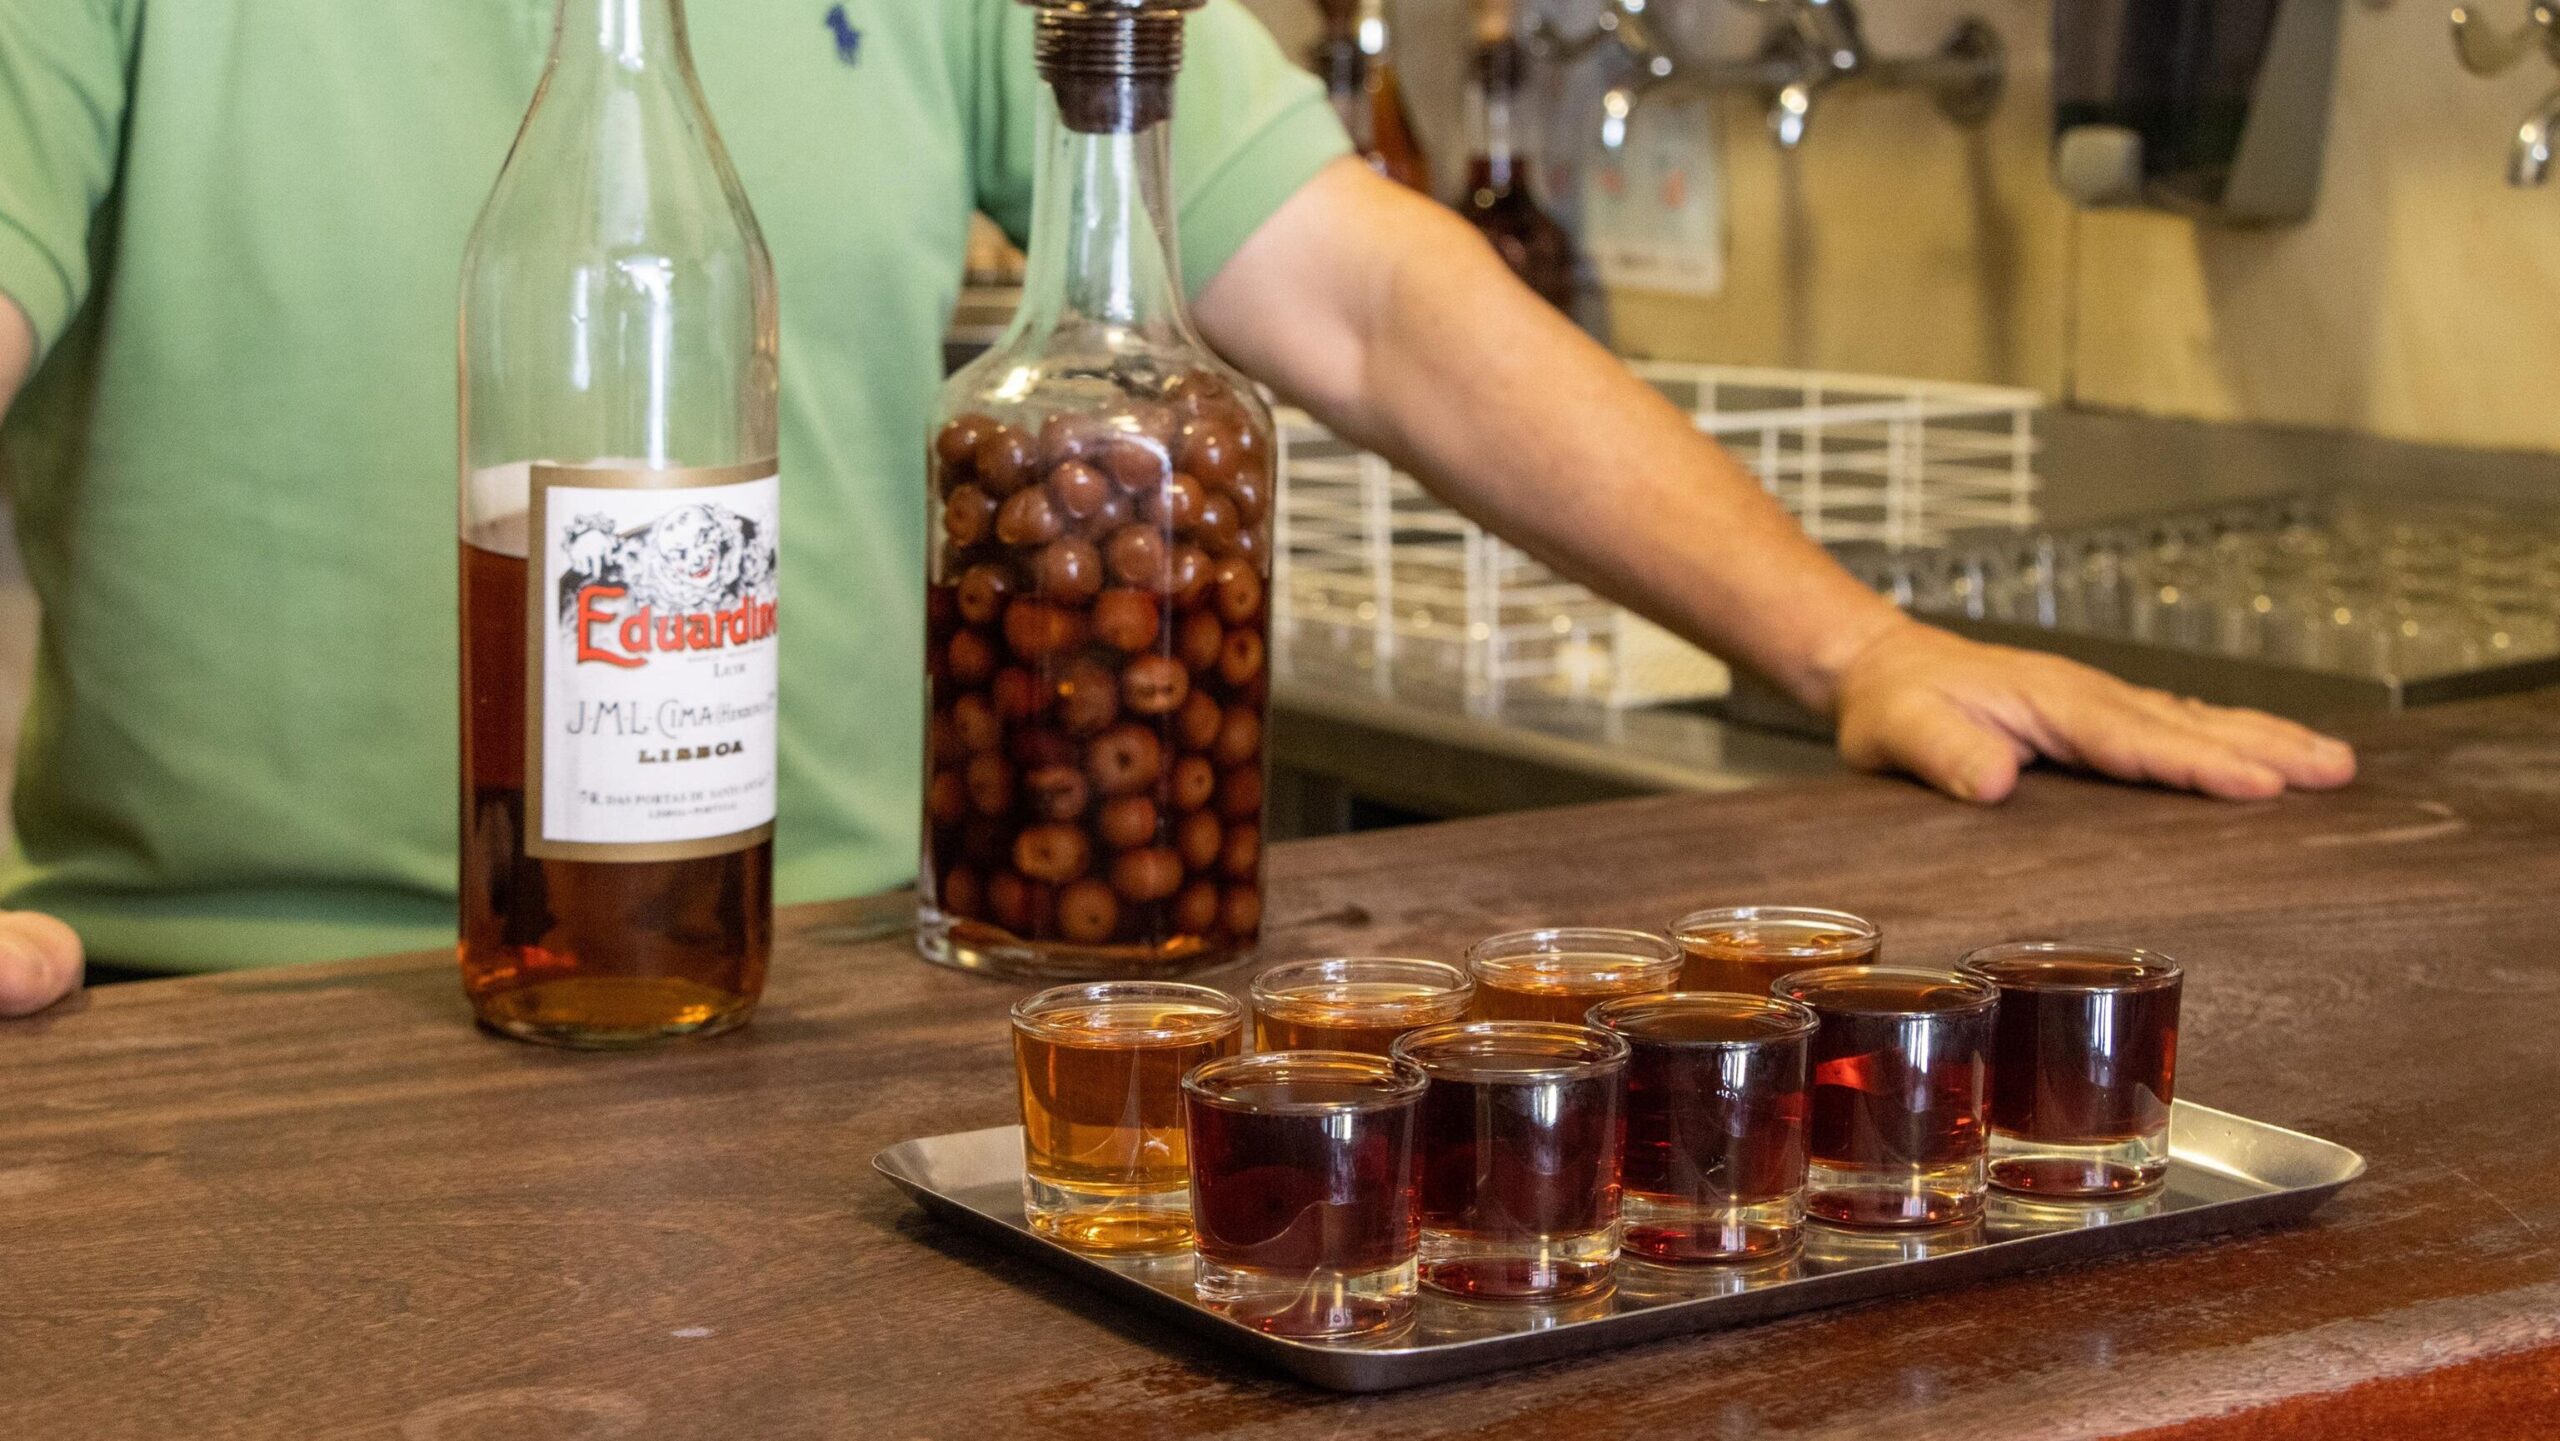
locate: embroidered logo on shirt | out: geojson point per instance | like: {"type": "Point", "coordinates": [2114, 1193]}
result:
{"type": "Point", "coordinates": [848, 39]}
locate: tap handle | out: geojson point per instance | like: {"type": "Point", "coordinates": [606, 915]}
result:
{"type": "Point", "coordinates": [1621, 21]}
{"type": "Point", "coordinates": [2484, 50]}
{"type": "Point", "coordinates": [1828, 28]}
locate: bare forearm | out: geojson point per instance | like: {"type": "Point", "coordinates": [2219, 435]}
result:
{"type": "Point", "coordinates": [1427, 351]}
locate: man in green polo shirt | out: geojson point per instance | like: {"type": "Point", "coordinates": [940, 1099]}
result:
{"type": "Point", "coordinates": [229, 233]}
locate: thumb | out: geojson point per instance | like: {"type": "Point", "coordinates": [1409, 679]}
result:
{"type": "Point", "coordinates": [40, 962]}
{"type": "Point", "coordinates": [1939, 743]}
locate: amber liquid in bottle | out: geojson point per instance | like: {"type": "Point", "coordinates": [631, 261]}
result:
{"type": "Point", "coordinates": [1359, 73]}
{"type": "Point", "coordinates": [1392, 149]}
{"type": "Point", "coordinates": [1497, 200]}
{"type": "Point", "coordinates": [687, 942]}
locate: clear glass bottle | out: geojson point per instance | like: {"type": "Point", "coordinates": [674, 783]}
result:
{"type": "Point", "coordinates": [1100, 570]}
{"type": "Point", "coordinates": [1498, 198]}
{"type": "Point", "coordinates": [618, 524]}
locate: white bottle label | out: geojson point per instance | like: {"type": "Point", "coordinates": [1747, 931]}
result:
{"type": "Point", "coordinates": [653, 653]}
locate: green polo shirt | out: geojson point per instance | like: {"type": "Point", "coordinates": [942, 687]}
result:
{"type": "Point", "coordinates": [237, 227]}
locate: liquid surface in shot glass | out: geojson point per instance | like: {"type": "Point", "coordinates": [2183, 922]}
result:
{"type": "Point", "coordinates": [1520, 1140]}
{"type": "Point", "coordinates": [1353, 1004]}
{"type": "Point", "coordinates": [1102, 1114]}
{"type": "Point", "coordinates": [2083, 1068]}
{"type": "Point", "coordinates": [1745, 949]}
{"type": "Point", "coordinates": [1558, 975]}
{"type": "Point", "coordinates": [1900, 1078]}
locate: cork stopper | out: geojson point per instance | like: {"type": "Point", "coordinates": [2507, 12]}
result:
{"type": "Point", "coordinates": [1111, 62]}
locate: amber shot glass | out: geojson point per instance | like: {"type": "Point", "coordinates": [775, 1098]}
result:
{"type": "Point", "coordinates": [1900, 1072]}
{"type": "Point", "coordinates": [1716, 1110]}
{"type": "Point", "coordinates": [1556, 975]}
{"type": "Point", "coordinates": [1353, 1003]}
{"type": "Point", "coordinates": [1520, 1135]}
{"type": "Point", "coordinates": [1745, 949]}
{"type": "Point", "coordinates": [1302, 1190]}
{"type": "Point", "coordinates": [1100, 1069]}
{"type": "Point", "coordinates": [2083, 1067]}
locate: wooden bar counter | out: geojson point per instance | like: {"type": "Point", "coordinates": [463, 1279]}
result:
{"type": "Point", "coordinates": [316, 1203]}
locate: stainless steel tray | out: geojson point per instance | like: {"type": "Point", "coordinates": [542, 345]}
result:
{"type": "Point", "coordinates": [2226, 1173]}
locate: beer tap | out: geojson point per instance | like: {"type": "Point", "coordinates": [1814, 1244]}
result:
{"type": "Point", "coordinates": [1810, 47]}
{"type": "Point", "coordinates": [2485, 51]}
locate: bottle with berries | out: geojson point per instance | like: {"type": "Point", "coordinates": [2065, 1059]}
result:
{"type": "Point", "coordinates": [1098, 603]}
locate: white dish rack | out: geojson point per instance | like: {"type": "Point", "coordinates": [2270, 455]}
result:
{"type": "Point", "coordinates": [1379, 579]}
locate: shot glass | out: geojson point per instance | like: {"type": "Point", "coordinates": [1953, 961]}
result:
{"type": "Point", "coordinates": [2084, 1061]}
{"type": "Point", "coordinates": [1302, 1190]}
{"type": "Point", "coordinates": [1557, 975]}
{"type": "Point", "coordinates": [1900, 1071]}
{"type": "Point", "coordinates": [1353, 1003]}
{"type": "Point", "coordinates": [1747, 948]}
{"type": "Point", "coordinates": [1714, 1168]}
{"type": "Point", "coordinates": [1100, 1068]}
{"type": "Point", "coordinates": [1520, 1137]}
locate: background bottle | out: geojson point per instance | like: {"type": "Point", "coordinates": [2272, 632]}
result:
{"type": "Point", "coordinates": [1497, 198]}
{"type": "Point", "coordinates": [1390, 146]}
{"type": "Point", "coordinates": [1351, 56]}
{"type": "Point", "coordinates": [619, 524]}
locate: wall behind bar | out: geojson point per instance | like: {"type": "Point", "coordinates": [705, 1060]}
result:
{"type": "Point", "coordinates": [2421, 302]}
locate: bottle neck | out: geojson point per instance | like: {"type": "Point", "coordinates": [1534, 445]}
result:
{"type": "Point", "coordinates": [1102, 232]}
{"type": "Point", "coordinates": [629, 35]}
{"type": "Point", "coordinates": [1493, 147]}
{"type": "Point", "coordinates": [1346, 84]}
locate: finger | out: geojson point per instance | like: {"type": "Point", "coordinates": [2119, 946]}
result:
{"type": "Point", "coordinates": [2131, 741]}
{"type": "Point", "coordinates": [1942, 745]}
{"type": "Point", "coordinates": [2303, 756]}
{"type": "Point", "coordinates": [40, 962]}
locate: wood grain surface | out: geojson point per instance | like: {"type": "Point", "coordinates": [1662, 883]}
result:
{"type": "Point", "coordinates": [316, 1202]}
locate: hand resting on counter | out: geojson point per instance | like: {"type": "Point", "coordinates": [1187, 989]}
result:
{"type": "Point", "coordinates": [40, 962]}
{"type": "Point", "coordinates": [1965, 717]}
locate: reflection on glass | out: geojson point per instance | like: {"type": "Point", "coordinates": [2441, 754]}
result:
{"type": "Point", "coordinates": [1642, 1284]}
{"type": "Point", "coordinates": [1829, 1248]}
{"type": "Point", "coordinates": [2009, 1217]}
{"type": "Point", "coordinates": [1447, 1318]}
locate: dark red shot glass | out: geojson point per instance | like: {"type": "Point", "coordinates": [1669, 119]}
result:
{"type": "Point", "coordinates": [1714, 1168]}
{"type": "Point", "coordinates": [2084, 1064]}
{"type": "Point", "coordinates": [1900, 1077]}
{"type": "Point", "coordinates": [1302, 1190]}
{"type": "Point", "coordinates": [1520, 1136]}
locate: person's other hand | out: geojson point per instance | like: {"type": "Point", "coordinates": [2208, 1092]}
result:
{"type": "Point", "coordinates": [1965, 717]}
{"type": "Point", "coordinates": [40, 962]}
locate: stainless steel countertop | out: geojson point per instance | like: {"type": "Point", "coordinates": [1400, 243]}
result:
{"type": "Point", "coordinates": [1431, 754]}
{"type": "Point", "coordinates": [1434, 756]}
